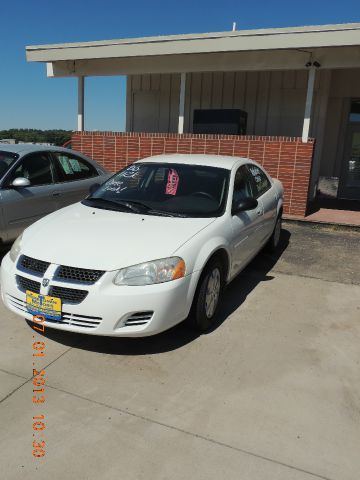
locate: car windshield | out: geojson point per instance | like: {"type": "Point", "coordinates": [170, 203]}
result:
{"type": "Point", "coordinates": [167, 189]}
{"type": "Point", "coordinates": [6, 160]}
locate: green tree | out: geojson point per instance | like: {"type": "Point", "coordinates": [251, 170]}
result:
{"type": "Point", "coordinates": [57, 137]}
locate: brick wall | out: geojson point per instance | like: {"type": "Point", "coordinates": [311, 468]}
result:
{"type": "Point", "coordinates": [283, 157]}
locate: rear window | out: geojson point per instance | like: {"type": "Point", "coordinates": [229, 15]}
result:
{"type": "Point", "coordinates": [72, 168]}
{"type": "Point", "coordinates": [6, 160]}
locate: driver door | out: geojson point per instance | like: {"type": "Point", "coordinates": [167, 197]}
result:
{"type": "Point", "coordinates": [244, 224]}
{"type": "Point", "coordinates": [22, 206]}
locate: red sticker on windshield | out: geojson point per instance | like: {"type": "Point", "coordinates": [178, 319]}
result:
{"type": "Point", "coordinates": [172, 183]}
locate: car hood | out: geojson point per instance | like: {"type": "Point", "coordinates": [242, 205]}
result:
{"type": "Point", "coordinates": [86, 237]}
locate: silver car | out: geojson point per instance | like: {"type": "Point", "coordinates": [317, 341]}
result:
{"type": "Point", "coordinates": [36, 180]}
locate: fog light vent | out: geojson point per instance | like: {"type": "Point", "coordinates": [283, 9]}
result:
{"type": "Point", "coordinates": [138, 318]}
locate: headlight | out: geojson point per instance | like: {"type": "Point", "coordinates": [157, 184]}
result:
{"type": "Point", "coordinates": [148, 273]}
{"type": "Point", "coordinates": [15, 249]}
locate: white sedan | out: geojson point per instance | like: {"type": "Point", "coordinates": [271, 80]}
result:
{"type": "Point", "coordinates": [154, 245]}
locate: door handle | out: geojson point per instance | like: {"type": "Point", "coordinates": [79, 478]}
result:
{"type": "Point", "coordinates": [56, 194]}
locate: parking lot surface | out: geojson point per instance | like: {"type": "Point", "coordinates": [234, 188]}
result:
{"type": "Point", "coordinates": [271, 393]}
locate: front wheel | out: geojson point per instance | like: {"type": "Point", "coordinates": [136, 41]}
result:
{"type": "Point", "coordinates": [208, 297]}
{"type": "Point", "coordinates": [274, 240]}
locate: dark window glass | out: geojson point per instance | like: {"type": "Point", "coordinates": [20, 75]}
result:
{"type": "Point", "coordinates": [72, 168]}
{"type": "Point", "coordinates": [36, 167]}
{"type": "Point", "coordinates": [260, 180]}
{"type": "Point", "coordinates": [222, 121]}
{"type": "Point", "coordinates": [355, 112]}
{"type": "Point", "coordinates": [6, 160]}
{"type": "Point", "coordinates": [243, 187]}
{"type": "Point", "coordinates": [165, 188]}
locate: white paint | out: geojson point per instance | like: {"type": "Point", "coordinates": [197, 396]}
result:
{"type": "Point", "coordinates": [345, 57]}
{"type": "Point", "coordinates": [125, 239]}
{"type": "Point", "coordinates": [274, 101]}
{"type": "Point", "coordinates": [49, 69]}
{"type": "Point", "coordinates": [308, 104]}
{"type": "Point", "coordinates": [182, 103]}
{"type": "Point", "coordinates": [245, 40]}
{"type": "Point", "coordinates": [81, 85]}
{"type": "Point", "coordinates": [145, 111]}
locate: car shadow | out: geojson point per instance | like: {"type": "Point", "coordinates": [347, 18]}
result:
{"type": "Point", "coordinates": [180, 335]}
{"type": "Point", "coordinates": [255, 273]}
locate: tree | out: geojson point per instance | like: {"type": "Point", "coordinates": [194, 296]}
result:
{"type": "Point", "coordinates": [57, 137]}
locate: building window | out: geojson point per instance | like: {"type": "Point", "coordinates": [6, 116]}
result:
{"type": "Point", "coordinates": [355, 112]}
{"type": "Point", "coordinates": [221, 121]}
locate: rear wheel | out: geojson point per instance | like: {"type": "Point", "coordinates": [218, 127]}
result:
{"type": "Point", "coordinates": [274, 240]}
{"type": "Point", "coordinates": [208, 297]}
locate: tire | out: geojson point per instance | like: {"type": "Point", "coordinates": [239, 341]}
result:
{"type": "Point", "coordinates": [274, 240]}
{"type": "Point", "coordinates": [208, 297]}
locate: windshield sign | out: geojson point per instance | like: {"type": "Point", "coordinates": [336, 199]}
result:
{"type": "Point", "coordinates": [167, 189]}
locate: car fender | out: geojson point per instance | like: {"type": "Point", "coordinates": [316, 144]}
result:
{"type": "Point", "coordinates": [279, 189]}
{"type": "Point", "coordinates": [195, 264]}
{"type": "Point", "coordinates": [200, 248]}
{"type": "Point", "coordinates": [208, 249]}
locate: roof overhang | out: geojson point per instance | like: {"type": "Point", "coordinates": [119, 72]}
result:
{"type": "Point", "coordinates": [336, 46]}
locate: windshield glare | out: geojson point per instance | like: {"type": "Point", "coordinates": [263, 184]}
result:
{"type": "Point", "coordinates": [6, 160]}
{"type": "Point", "coordinates": [160, 188]}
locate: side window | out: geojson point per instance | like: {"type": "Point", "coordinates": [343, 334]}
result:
{"type": "Point", "coordinates": [72, 168]}
{"type": "Point", "coordinates": [242, 185]}
{"type": "Point", "coordinates": [36, 167]}
{"type": "Point", "coordinates": [260, 180]}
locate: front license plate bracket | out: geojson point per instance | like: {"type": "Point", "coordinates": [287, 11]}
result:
{"type": "Point", "coordinates": [44, 305]}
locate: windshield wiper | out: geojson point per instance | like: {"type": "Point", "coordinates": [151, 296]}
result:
{"type": "Point", "coordinates": [108, 204]}
{"type": "Point", "coordinates": [131, 205]}
{"type": "Point", "coordinates": [163, 213]}
{"type": "Point", "coordinates": [136, 203]}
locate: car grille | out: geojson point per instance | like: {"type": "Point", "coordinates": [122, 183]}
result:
{"type": "Point", "coordinates": [32, 265]}
{"type": "Point", "coordinates": [68, 295]}
{"type": "Point", "coordinates": [70, 319]}
{"type": "Point", "coordinates": [80, 275]}
{"type": "Point", "coordinates": [138, 318]}
{"type": "Point", "coordinates": [27, 284]}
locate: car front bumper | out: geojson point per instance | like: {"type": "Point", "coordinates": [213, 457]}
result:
{"type": "Point", "coordinates": [108, 309]}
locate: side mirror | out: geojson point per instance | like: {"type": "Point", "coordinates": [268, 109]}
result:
{"type": "Point", "coordinates": [247, 203]}
{"type": "Point", "coordinates": [20, 182]}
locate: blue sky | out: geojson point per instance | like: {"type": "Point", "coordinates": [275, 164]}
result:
{"type": "Point", "coordinates": [30, 100]}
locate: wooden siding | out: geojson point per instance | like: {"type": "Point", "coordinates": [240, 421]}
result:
{"type": "Point", "coordinates": [274, 101]}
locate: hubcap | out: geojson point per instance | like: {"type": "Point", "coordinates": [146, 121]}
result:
{"type": "Point", "coordinates": [277, 231]}
{"type": "Point", "coordinates": [212, 292]}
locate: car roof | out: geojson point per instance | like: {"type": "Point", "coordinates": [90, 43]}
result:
{"type": "Point", "coordinates": [23, 149]}
{"type": "Point", "coordinates": [28, 147]}
{"type": "Point", "coordinates": [220, 161]}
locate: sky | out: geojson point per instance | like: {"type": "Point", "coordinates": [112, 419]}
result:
{"type": "Point", "coordinates": [28, 99]}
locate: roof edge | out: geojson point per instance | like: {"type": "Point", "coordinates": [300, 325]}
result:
{"type": "Point", "coordinates": [199, 36]}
